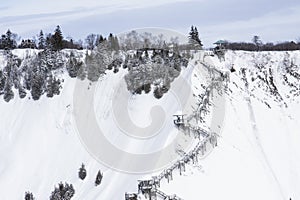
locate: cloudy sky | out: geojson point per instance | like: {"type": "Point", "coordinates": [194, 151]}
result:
{"type": "Point", "coordinates": [234, 20]}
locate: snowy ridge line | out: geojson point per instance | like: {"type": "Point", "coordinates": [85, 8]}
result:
{"type": "Point", "coordinates": [149, 187]}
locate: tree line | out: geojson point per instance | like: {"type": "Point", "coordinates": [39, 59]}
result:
{"type": "Point", "coordinates": [54, 41]}
{"type": "Point", "coordinates": [258, 45]}
{"type": "Point", "coordinates": [132, 40]}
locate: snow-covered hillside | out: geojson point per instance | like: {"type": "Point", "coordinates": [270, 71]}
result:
{"type": "Point", "coordinates": [258, 152]}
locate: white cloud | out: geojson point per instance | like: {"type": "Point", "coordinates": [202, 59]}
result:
{"type": "Point", "coordinates": [31, 7]}
{"type": "Point", "coordinates": [24, 16]}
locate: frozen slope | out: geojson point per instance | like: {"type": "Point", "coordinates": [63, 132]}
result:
{"type": "Point", "coordinates": [258, 153]}
{"type": "Point", "coordinates": [42, 146]}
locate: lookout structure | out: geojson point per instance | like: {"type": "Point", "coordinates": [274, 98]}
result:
{"type": "Point", "coordinates": [219, 50]}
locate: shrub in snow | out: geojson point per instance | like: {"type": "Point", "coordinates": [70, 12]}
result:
{"type": "Point", "coordinates": [158, 93]}
{"type": "Point", "coordinates": [63, 192]}
{"type": "Point", "coordinates": [82, 172]}
{"type": "Point", "coordinates": [98, 178]}
{"type": "Point", "coordinates": [29, 196]}
{"type": "Point", "coordinates": [147, 88]}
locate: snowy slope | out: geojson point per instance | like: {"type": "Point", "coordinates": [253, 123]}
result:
{"type": "Point", "coordinates": [41, 145]}
{"type": "Point", "coordinates": [258, 152]}
{"type": "Point", "coordinates": [257, 157]}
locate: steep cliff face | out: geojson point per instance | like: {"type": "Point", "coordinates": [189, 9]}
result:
{"type": "Point", "coordinates": [258, 149]}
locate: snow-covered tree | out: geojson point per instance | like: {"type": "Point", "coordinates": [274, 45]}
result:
{"type": "Point", "coordinates": [29, 196]}
{"type": "Point", "coordinates": [82, 172]}
{"type": "Point", "coordinates": [194, 38]}
{"type": "Point", "coordinates": [41, 42]}
{"type": "Point", "coordinates": [63, 192]}
{"type": "Point", "coordinates": [98, 61]}
{"type": "Point", "coordinates": [98, 178]}
{"type": "Point", "coordinates": [37, 85]}
{"type": "Point", "coordinates": [8, 93]}
{"type": "Point", "coordinates": [159, 70]}
{"type": "Point", "coordinates": [57, 39]}
{"type": "Point", "coordinates": [73, 65]}
{"type": "Point", "coordinates": [2, 81]}
{"type": "Point", "coordinates": [22, 92]}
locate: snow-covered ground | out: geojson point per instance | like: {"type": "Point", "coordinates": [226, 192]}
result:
{"type": "Point", "coordinates": [258, 150]}
{"type": "Point", "coordinates": [257, 157]}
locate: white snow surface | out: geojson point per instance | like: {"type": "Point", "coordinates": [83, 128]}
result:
{"type": "Point", "coordinates": [257, 157]}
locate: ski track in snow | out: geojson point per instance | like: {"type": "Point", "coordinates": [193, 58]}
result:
{"type": "Point", "coordinates": [256, 133]}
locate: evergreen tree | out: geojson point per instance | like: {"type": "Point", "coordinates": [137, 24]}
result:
{"type": "Point", "coordinates": [73, 65]}
{"type": "Point", "coordinates": [56, 85]}
{"type": "Point", "coordinates": [81, 74]}
{"type": "Point", "coordinates": [57, 39]}
{"type": "Point", "coordinates": [98, 178]}
{"type": "Point", "coordinates": [82, 172]}
{"type": "Point", "coordinates": [37, 85]}
{"type": "Point", "coordinates": [194, 39]}
{"type": "Point", "coordinates": [29, 196]}
{"type": "Point", "coordinates": [9, 41]}
{"type": "Point", "coordinates": [49, 86]}
{"type": "Point", "coordinates": [48, 41]}
{"type": "Point", "coordinates": [158, 93]}
{"type": "Point", "coordinates": [56, 59]}
{"type": "Point", "coordinates": [101, 39]}
{"type": "Point", "coordinates": [8, 93]}
{"type": "Point", "coordinates": [147, 88]}
{"type": "Point", "coordinates": [2, 41]}
{"type": "Point", "coordinates": [92, 67]}
{"type": "Point", "coordinates": [11, 74]}
{"type": "Point", "coordinates": [113, 42]}
{"type": "Point", "coordinates": [98, 61]}
{"type": "Point", "coordinates": [63, 192]}
{"type": "Point", "coordinates": [2, 81]}
{"type": "Point", "coordinates": [42, 42]}
{"type": "Point", "coordinates": [53, 86]}
{"type": "Point", "coordinates": [27, 74]}
{"type": "Point", "coordinates": [22, 92]}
